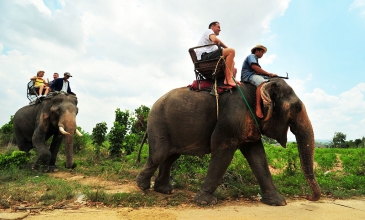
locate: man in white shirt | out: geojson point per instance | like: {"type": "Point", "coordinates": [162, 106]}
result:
{"type": "Point", "coordinates": [212, 52]}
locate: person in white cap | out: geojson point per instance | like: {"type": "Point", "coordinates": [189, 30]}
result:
{"type": "Point", "coordinates": [62, 84]}
{"type": "Point", "coordinates": [253, 73]}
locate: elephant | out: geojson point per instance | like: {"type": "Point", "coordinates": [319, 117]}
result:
{"type": "Point", "coordinates": [54, 116]}
{"type": "Point", "coordinates": [185, 122]}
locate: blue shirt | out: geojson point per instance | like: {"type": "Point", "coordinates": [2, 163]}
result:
{"type": "Point", "coordinates": [247, 70]}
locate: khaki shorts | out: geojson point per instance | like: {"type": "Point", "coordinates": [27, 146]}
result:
{"type": "Point", "coordinates": [257, 79]}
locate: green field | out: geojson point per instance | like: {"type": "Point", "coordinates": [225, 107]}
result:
{"type": "Point", "coordinates": [339, 172]}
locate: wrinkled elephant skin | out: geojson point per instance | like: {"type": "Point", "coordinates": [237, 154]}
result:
{"type": "Point", "coordinates": [35, 124]}
{"type": "Point", "coordinates": [184, 122]}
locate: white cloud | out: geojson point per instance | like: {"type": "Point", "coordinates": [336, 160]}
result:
{"type": "Point", "coordinates": [358, 4]}
{"type": "Point", "coordinates": [344, 113]}
{"type": "Point", "coordinates": [122, 54]}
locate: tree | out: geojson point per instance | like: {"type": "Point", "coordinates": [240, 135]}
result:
{"type": "Point", "coordinates": [339, 139]}
{"type": "Point", "coordinates": [118, 132]}
{"type": "Point", "coordinates": [7, 133]}
{"type": "Point", "coordinates": [357, 142]}
{"type": "Point", "coordinates": [99, 135]}
{"type": "Point", "coordinates": [140, 120]}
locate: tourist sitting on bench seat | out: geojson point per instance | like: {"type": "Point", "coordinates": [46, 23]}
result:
{"type": "Point", "coordinates": [40, 83]}
{"type": "Point", "coordinates": [213, 52]}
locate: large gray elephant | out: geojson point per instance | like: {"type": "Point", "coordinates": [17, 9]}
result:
{"type": "Point", "coordinates": [35, 124]}
{"type": "Point", "coordinates": [185, 122]}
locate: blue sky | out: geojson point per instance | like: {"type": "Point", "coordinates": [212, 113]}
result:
{"type": "Point", "coordinates": [124, 54]}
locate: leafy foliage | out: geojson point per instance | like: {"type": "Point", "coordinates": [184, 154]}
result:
{"type": "Point", "coordinates": [140, 121]}
{"type": "Point", "coordinates": [99, 135]}
{"type": "Point", "coordinates": [118, 132]}
{"type": "Point", "coordinates": [7, 133]}
{"type": "Point", "coordinates": [15, 158]}
{"type": "Point", "coordinates": [339, 139]}
{"type": "Point", "coordinates": [80, 143]}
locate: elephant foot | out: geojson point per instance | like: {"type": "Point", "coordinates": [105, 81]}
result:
{"type": "Point", "coordinates": [40, 168]}
{"type": "Point", "coordinates": [52, 169]}
{"type": "Point", "coordinates": [73, 166]}
{"type": "Point", "coordinates": [273, 198]}
{"type": "Point", "coordinates": [166, 189]}
{"type": "Point", "coordinates": [143, 183]}
{"type": "Point", "coordinates": [204, 198]}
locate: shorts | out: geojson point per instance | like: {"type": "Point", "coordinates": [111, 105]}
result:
{"type": "Point", "coordinates": [257, 79]}
{"type": "Point", "coordinates": [212, 55]}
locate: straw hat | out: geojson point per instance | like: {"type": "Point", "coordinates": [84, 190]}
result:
{"type": "Point", "coordinates": [259, 46]}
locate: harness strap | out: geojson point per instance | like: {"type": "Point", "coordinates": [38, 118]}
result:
{"type": "Point", "coordinates": [215, 83]}
{"type": "Point", "coordinates": [244, 98]}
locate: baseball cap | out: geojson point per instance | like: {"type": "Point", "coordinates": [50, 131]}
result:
{"type": "Point", "coordinates": [67, 74]}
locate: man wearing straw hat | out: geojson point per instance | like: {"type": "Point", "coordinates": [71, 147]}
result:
{"type": "Point", "coordinates": [254, 74]}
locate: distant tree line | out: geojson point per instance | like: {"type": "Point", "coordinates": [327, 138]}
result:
{"type": "Point", "coordinates": [339, 141]}
{"type": "Point", "coordinates": [124, 137]}
{"type": "Point", "coordinates": [127, 132]}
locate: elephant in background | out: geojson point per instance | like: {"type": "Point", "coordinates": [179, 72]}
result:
{"type": "Point", "coordinates": [186, 122]}
{"type": "Point", "coordinates": [35, 124]}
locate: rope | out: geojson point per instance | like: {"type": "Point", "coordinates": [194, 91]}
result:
{"type": "Point", "coordinates": [239, 89]}
{"type": "Point", "coordinates": [244, 98]}
{"type": "Point", "coordinates": [215, 84]}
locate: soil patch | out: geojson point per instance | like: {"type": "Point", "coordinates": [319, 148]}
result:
{"type": "Point", "coordinates": [299, 209]}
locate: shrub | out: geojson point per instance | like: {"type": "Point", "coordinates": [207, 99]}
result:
{"type": "Point", "coordinates": [16, 158]}
{"type": "Point", "coordinates": [80, 143]}
{"type": "Point", "coordinates": [118, 132]}
{"type": "Point", "coordinates": [7, 133]}
{"type": "Point", "coordinates": [99, 135]}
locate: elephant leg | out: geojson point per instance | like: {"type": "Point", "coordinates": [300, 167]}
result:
{"type": "Point", "coordinates": [218, 165]}
{"type": "Point", "coordinates": [25, 146]}
{"type": "Point", "coordinates": [256, 157]}
{"type": "Point", "coordinates": [144, 177]}
{"type": "Point", "coordinates": [44, 155]}
{"type": "Point", "coordinates": [54, 148]}
{"type": "Point", "coordinates": [162, 182]}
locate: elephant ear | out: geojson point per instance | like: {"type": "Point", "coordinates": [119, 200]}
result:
{"type": "Point", "coordinates": [267, 95]}
{"type": "Point", "coordinates": [272, 94]}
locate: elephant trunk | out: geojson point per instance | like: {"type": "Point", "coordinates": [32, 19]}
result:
{"type": "Point", "coordinates": [303, 131]}
{"type": "Point", "coordinates": [67, 126]}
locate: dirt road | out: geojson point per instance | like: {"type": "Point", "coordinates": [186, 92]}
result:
{"type": "Point", "coordinates": [297, 209]}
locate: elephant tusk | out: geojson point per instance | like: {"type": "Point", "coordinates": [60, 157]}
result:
{"type": "Point", "coordinates": [78, 133]}
{"type": "Point", "coordinates": [62, 130]}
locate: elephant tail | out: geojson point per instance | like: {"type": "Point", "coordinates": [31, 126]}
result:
{"type": "Point", "coordinates": [138, 160]}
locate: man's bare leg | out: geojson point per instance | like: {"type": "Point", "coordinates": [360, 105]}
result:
{"type": "Point", "coordinates": [229, 54]}
{"type": "Point", "coordinates": [259, 113]}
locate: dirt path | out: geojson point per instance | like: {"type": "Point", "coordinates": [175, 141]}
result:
{"type": "Point", "coordinates": [299, 210]}
{"type": "Point", "coordinates": [296, 209]}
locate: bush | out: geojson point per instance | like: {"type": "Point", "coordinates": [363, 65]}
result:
{"type": "Point", "coordinates": [118, 132]}
{"type": "Point", "coordinates": [99, 135]}
{"type": "Point", "coordinates": [7, 133]}
{"type": "Point", "coordinates": [80, 143]}
{"type": "Point", "coordinates": [16, 159]}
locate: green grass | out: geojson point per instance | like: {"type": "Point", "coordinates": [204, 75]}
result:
{"type": "Point", "coordinates": [339, 172]}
